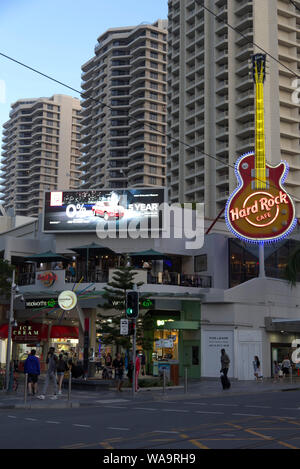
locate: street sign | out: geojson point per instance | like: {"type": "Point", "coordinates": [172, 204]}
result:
{"type": "Point", "coordinates": [124, 327]}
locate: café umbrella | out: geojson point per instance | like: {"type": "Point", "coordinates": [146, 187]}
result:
{"type": "Point", "coordinates": [48, 256]}
{"type": "Point", "coordinates": [149, 255]}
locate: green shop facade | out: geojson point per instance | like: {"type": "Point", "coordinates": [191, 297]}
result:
{"type": "Point", "coordinates": [175, 335]}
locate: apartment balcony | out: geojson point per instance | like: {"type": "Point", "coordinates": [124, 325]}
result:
{"type": "Point", "coordinates": [222, 13]}
{"type": "Point", "coordinates": [245, 98]}
{"type": "Point", "coordinates": [246, 130]}
{"type": "Point", "coordinates": [245, 145]}
{"type": "Point", "coordinates": [222, 102]}
{"type": "Point", "coordinates": [244, 8]}
{"type": "Point", "coordinates": [243, 70]}
{"type": "Point", "coordinates": [243, 83]}
{"type": "Point", "coordinates": [244, 22]}
{"type": "Point", "coordinates": [244, 53]}
{"type": "Point", "coordinates": [222, 87]}
{"type": "Point", "coordinates": [222, 57]}
{"type": "Point", "coordinates": [222, 72]}
{"type": "Point", "coordinates": [222, 42]}
{"type": "Point", "coordinates": [222, 154]}
{"type": "Point", "coordinates": [247, 36]}
{"type": "Point", "coordinates": [222, 117]}
{"type": "Point", "coordinates": [222, 180]}
{"type": "Point", "coordinates": [222, 132]}
{"type": "Point", "coordinates": [222, 195]}
{"type": "Point", "coordinates": [245, 114]}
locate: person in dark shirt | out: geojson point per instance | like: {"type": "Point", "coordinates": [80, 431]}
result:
{"type": "Point", "coordinates": [118, 365]}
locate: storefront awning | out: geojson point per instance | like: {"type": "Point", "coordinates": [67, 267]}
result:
{"type": "Point", "coordinates": [36, 332]}
{"type": "Point", "coordinates": [182, 325]}
{"type": "Point", "coordinates": [64, 332]}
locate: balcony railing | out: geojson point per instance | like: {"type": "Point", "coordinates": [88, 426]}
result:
{"type": "Point", "coordinates": [92, 276]}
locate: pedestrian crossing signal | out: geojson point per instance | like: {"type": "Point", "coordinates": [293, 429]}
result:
{"type": "Point", "coordinates": [132, 304]}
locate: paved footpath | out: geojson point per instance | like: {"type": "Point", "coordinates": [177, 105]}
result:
{"type": "Point", "coordinates": [196, 388]}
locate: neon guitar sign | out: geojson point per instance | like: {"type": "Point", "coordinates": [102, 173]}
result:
{"type": "Point", "coordinates": [260, 209]}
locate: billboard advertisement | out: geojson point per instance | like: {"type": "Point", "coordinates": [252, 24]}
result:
{"type": "Point", "coordinates": [89, 210]}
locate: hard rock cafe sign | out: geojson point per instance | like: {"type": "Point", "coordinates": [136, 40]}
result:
{"type": "Point", "coordinates": [260, 209]}
{"type": "Point", "coordinates": [47, 278]}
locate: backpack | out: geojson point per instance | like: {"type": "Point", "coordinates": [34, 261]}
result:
{"type": "Point", "coordinates": [61, 366]}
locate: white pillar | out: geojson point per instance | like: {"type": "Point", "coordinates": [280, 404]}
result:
{"type": "Point", "coordinates": [262, 259]}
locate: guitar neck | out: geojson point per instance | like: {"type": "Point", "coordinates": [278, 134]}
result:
{"type": "Point", "coordinates": [260, 151]}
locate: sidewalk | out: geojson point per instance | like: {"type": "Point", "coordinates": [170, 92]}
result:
{"type": "Point", "coordinates": [196, 389]}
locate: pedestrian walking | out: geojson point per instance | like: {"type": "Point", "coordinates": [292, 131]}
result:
{"type": "Point", "coordinates": [118, 365]}
{"type": "Point", "coordinates": [137, 371]}
{"type": "Point", "coordinates": [225, 361]}
{"type": "Point", "coordinates": [256, 368]}
{"type": "Point", "coordinates": [51, 361]}
{"type": "Point", "coordinates": [61, 368]}
{"type": "Point", "coordinates": [276, 371]}
{"type": "Point", "coordinates": [143, 363]}
{"type": "Point", "coordinates": [32, 367]}
{"type": "Point", "coordinates": [130, 371]}
{"type": "Point", "coordinates": [286, 365]}
{"type": "Point", "coordinates": [107, 371]}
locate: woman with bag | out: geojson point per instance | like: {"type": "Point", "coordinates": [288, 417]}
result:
{"type": "Point", "coordinates": [256, 367]}
{"type": "Point", "coordinates": [61, 368]}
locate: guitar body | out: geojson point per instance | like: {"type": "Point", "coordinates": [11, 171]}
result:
{"type": "Point", "coordinates": [260, 211]}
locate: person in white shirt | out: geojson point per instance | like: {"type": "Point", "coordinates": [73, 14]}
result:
{"type": "Point", "coordinates": [286, 365]}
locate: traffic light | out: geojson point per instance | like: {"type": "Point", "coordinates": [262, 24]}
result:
{"type": "Point", "coordinates": [132, 304]}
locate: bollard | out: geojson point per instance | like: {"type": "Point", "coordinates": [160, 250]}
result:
{"type": "Point", "coordinates": [291, 373]}
{"type": "Point", "coordinates": [70, 384]}
{"type": "Point", "coordinates": [25, 388]}
{"type": "Point", "coordinates": [164, 381]}
{"type": "Point", "coordinates": [185, 379]}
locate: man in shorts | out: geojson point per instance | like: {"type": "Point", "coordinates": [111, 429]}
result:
{"type": "Point", "coordinates": [32, 367]}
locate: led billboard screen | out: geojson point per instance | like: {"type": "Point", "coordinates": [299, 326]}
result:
{"type": "Point", "coordinates": [88, 210]}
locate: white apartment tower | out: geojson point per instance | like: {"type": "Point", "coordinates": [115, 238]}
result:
{"type": "Point", "coordinates": [124, 108]}
{"type": "Point", "coordinates": [211, 94]}
{"type": "Point", "coordinates": [40, 151]}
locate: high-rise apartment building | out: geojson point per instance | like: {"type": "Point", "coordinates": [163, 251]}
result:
{"type": "Point", "coordinates": [211, 94]}
{"type": "Point", "coordinates": [40, 151]}
{"type": "Point", "coordinates": [124, 108]}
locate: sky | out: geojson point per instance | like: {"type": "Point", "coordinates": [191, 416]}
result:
{"type": "Point", "coordinates": [57, 37]}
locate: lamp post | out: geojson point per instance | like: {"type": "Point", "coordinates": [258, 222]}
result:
{"type": "Point", "coordinates": [10, 320]}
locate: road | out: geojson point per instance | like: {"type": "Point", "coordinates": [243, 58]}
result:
{"type": "Point", "coordinates": [267, 420]}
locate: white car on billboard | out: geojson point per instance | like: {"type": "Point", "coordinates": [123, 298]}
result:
{"type": "Point", "coordinates": [108, 210]}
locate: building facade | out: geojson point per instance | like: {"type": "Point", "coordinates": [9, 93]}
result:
{"type": "Point", "coordinates": [211, 94]}
{"type": "Point", "coordinates": [40, 151]}
{"type": "Point", "coordinates": [124, 109]}
{"type": "Point", "coordinates": [200, 300]}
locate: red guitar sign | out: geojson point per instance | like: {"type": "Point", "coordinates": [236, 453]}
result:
{"type": "Point", "coordinates": [260, 209]}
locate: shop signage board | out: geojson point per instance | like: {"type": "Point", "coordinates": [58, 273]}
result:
{"type": "Point", "coordinates": [67, 300]}
{"type": "Point", "coordinates": [88, 210]}
{"type": "Point", "coordinates": [212, 342]}
{"type": "Point", "coordinates": [164, 343]}
{"type": "Point", "coordinates": [124, 326]}
{"type": "Point", "coordinates": [47, 278]}
{"type": "Point", "coordinates": [32, 303]}
{"type": "Point", "coordinates": [260, 210]}
{"type": "Point", "coordinates": [27, 333]}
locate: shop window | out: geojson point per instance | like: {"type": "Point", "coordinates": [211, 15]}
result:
{"type": "Point", "coordinates": [200, 263]}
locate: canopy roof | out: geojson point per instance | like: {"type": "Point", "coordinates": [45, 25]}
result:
{"type": "Point", "coordinates": [47, 256]}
